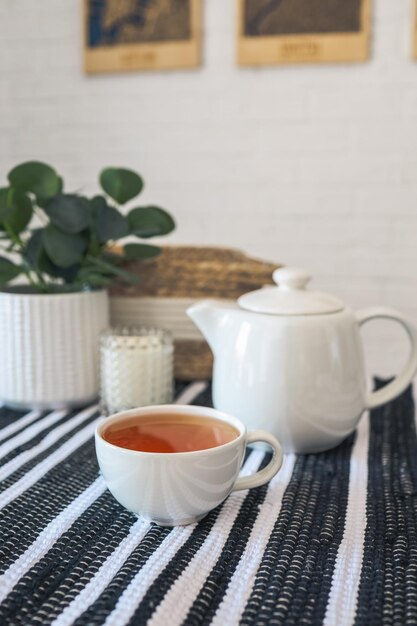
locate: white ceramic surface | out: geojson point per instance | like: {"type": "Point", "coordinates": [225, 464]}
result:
{"type": "Point", "coordinates": [299, 375]}
{"type": "Point", "coordinates": [289, 296]}
{"type": "Point", "coordinates": [179, 488]}
{"type": "Point", "coordinates": [49, 348]}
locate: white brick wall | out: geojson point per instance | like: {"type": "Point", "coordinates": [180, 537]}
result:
{"type": "Point", "coordinates": [315, 166]}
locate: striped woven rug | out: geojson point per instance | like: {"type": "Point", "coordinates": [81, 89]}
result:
{"type": "Point", "coordinates": [331, 540]}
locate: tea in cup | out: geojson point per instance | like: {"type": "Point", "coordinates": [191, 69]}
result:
{"type": "Point", "coordinates": [173, 464]}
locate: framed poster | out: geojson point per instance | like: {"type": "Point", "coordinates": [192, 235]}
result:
{"type": "Point", "coordinates": [415, 32]}
{"type": "Point", "coordinates": [274, 32]}
{"type": "Point", "coordinates": [123, 35]}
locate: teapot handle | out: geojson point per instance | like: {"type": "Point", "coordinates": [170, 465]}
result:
{"type": "Point", "coordinates": [397, 386]}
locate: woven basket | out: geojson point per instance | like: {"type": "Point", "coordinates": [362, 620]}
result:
{"type": "Point", "coordinates": [172, 282]}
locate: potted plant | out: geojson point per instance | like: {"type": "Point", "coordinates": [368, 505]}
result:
{"type": "Point", "coordinates": [58, 257]}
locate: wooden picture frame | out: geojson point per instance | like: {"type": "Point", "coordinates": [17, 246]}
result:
{"type": "Point", "coordinates": [144, 50]}
{"type": "Point", "coordinates": [415, 32]}
{"type": "Point", "coordinates": [301, 47]}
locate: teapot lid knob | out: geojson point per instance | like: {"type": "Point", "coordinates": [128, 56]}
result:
{"type": "Point", "coordinates": [288, 278]}
{"type": "Point", "coordinates": [291, 297]}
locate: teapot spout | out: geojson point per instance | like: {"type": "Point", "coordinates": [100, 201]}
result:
{"type": "Point", "coordinates": [207, 315]}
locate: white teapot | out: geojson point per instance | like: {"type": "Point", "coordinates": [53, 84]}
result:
{"type": "Point", "coordinates": [290, 360]}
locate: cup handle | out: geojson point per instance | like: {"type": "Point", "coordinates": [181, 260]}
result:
{"type": "Point", "coordinates": [268, 472]}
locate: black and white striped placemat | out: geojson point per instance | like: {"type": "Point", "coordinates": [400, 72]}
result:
{"type": "Point", "coordinates": [331, 540]}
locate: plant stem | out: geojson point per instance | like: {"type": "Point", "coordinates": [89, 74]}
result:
{"type": "Point", "coordinates": [27, 270]}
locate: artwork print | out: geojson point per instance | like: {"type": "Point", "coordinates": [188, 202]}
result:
{"type": "Point", "coordinates": [285, 31]}
{"type": "Point", "coordinates": [415, 32]}
{"type": "Point", "coordinates": [125, 35]}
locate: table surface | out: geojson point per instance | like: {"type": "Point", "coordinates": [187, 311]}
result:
{"type": "Point", "coordinates": [331, 540]}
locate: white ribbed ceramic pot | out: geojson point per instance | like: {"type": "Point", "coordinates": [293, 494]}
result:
{"type": "Point", "coordinates": [49, 347]}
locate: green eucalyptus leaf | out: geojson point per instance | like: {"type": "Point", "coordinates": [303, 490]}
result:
{"type": "Point", "coordinates": [34, 248]}
{"type": "Point", "coordinates": [120, 184]}
{"type": "Point", "coordinates": [68, 274]}
{"type": "Point", "coordinates": [43, 200]}
{"type": "Point", "coordinates": [35, 253]}
{"type": "Point", "coordinates": [95, 203]}
{"type": "Point", "coordinates": [20, 211]}
{"type": "Point", "coordinates": [140, 251]}
{"type": "Point", "coordinates": [37, 257]}
{"type": "Point", "coordinates": [69, 212]}
{"type": "Point", "coordinates": [150, 221]}
{"type": "Point", "coordinates": [93, 278]}
{"type": "Point", "coordinates": [5, 209]}
{"type": "Point", "coordinates": [109, 224]}
{"type": "Point", "coordinates": [3, 197]}
{"type": "Point", "coordinates": [64, 249]}
{"type": "Point", "coordinates": [8, 271]}
{"type": "Point", "coordinates": [107, 266]}
{"type": "Point", "coordinates": [37, 178]}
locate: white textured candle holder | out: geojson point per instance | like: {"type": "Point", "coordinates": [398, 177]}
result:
{"type": "Point", "coordinates": [136, 368]}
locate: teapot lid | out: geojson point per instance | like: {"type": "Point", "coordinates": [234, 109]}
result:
{"type": "Point", "coordinates": [290, 296]}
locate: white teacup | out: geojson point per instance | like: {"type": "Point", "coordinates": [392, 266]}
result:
{"type": "Point", "coordinates": [180, 487]}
